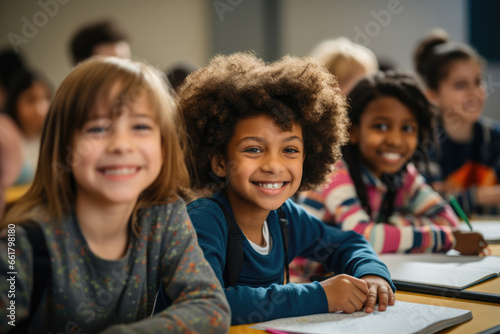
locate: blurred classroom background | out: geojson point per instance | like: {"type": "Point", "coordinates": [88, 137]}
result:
{"type": "Point", "coordinates": [166, 32]}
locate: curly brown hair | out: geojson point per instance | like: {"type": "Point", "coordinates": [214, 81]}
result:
{"type": "Point", "coordinates": [231, 88]}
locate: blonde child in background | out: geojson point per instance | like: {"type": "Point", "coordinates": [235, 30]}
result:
{"type": "Point", "coordinates": [348, 61]}
{"type": "Point", "coordinates": [376, 189]}
{"type": "Point", "coordinates": [467, 162]}
{"type": "Point", "coordinates": [104, 197]}
{"type": "Point", "coordinates": [257, 133]}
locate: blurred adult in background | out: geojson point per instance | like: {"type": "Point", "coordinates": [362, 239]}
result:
{"type": "Point", "coordinates": [103, 37]}
{"type": "Point", "coordinates": [467, 163]}
{"type": "Point", "coordinates": [348, 61]}
{"type": "Point", "coordinates": [27, 104]}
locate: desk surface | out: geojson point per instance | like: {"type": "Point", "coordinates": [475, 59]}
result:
{"type": "Point", "coordinates": [495, 249]}
{"type": "Point", "coordinates": [485, 315]}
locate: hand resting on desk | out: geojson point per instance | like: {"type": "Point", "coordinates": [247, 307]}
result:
{"type": "Point", "coordinates": [349, 294]}
{"type": "Point", "coordinates": [488, 195]}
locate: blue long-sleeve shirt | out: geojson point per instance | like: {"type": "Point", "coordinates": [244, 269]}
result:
{"type": "Point", "coordinates": [259, 294]}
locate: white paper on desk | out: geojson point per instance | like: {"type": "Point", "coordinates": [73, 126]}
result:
{"type": "Point", "coordinates": [401, 318]}
{"type": "Point", "coordinates": [489, 229]}
{"type": "Point", "coordinates": [454, 272]}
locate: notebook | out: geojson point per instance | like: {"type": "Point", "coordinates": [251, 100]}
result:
{"type": "Point", "coordinates": [401, 318]}
{"type": "Point", "coordinates": [489, 229]}
{"type": "Point", "coordinates": [441, 270]}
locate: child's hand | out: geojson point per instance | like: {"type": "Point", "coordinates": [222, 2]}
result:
{"type": "Point", "coordinates": [488, 195]}
{"type": "Point", "coordinates": [470, 243]}
{"type": "Point", "coordinates": [378, 288]}
{"type": "Point", "coordinates": [345, 293]}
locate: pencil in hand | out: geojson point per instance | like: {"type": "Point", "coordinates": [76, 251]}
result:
{"type": "Point", "coordinates": [458, 209]}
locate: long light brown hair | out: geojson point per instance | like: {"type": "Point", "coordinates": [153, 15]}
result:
{"type": "Point", "coordinates": [53, 190]}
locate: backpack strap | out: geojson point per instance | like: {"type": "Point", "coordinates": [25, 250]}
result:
{"type": "Point", "coordinates": [286, 237]}
{"type": "Point", "coordinates": [41, 272]}
{"type": "Point", "coordinates": [234, 254]}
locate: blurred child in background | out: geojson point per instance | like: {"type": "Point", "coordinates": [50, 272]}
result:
{"type": "Point", "coordinates": [11, 158]}
{"type": "Point", "coordinates": [348, 61]}
{"type": "Point", "coordinates": [467, 162]}
{"type": "Point", "coordinates": [103, 37]}
{"type": "Point", "coordinates": [376, 189]}
{"type": "Point", "coordinates": [28, 103]}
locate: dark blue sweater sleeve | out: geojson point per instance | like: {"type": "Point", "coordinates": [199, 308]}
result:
{"type": "Point", "coordinates": [251, 303]}
{"type": "Point", "coordinates": [340, 251]}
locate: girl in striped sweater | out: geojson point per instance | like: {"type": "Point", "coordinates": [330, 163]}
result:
{"type": "Point", "coordinates": [376, 190]}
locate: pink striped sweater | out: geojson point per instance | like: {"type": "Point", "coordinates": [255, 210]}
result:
{"type": "Point", "coordinates": [421, 222]}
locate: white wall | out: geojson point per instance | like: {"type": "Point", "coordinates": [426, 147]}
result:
{"type": "Point", "coordinates": [166, 31]}
{"type": "Point", "coordinates": [162, 32]}
{"type": "Point", "coordinates": [394, 36]}
{"type": "Point", "coordinates": [306, 23]}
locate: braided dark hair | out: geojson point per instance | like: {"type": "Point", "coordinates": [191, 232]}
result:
{"type": "Point", "coordinates": [404, 88]}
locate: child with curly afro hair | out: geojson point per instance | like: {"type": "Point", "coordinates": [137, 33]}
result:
{"type": "Point", "coordinates": [257, 133]}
